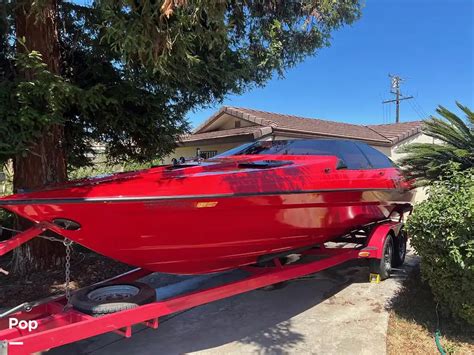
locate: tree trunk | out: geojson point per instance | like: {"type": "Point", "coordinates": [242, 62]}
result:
{"type": "Point", "coordinates": [44, 163]}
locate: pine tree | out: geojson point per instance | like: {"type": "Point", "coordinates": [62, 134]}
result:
{"type": "Point", "coordinates": [124, 73]}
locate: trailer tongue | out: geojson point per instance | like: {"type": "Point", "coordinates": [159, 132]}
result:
{"type": "Point", "coordinates": [42, 325]}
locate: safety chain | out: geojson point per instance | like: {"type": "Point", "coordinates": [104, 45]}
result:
{"type": "Point", "coordinates": [68, 243]}
{"type": "Point", "coordinates": [51, 239]}
{"type": "Point", "coordinates": [67, 267]}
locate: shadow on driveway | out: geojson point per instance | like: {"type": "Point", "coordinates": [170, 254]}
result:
{"type": "Point", "coordinates": [260, 318]}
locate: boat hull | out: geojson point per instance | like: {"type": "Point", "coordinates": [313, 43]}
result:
{"type": "Point", "coordinates": [203, 234]}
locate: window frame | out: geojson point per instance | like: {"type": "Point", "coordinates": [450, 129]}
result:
{"type": "Point", "coordinates": [370, 148]}
{"type": "Point", "coordinates": [337, 151]}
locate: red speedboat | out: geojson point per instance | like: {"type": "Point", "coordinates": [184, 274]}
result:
{"type": "Point", "coordinates": [263, 198]}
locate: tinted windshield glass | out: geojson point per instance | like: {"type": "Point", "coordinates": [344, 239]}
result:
{"type": "Point", "coordinates": [233, 151]}
{"type": "Point", "coordinates": [377, 159]}
{"type": "Point", "coordinates": [347, 151]}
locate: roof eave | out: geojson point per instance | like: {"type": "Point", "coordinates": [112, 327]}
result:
{"type": "Point", "coordinates": [318, 134]}
{"type": "Point", "coordinates": [210, 120]}
{"type": "Point", "coordinates": [231, 112]}
{"type": "Point", "coordinates": [257, 134]}
{"type": "Point", "coordinates": [413, 132]}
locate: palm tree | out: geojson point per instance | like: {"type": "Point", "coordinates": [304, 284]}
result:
{"type": "Point", "coordinates": [453, 142]}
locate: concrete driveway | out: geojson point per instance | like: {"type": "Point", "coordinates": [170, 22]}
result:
{"type": "Point", "coordinates": [333, 312]}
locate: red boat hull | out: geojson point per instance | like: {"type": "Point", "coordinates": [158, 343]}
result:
{"type": "Point", "coordinates": [232, 218]}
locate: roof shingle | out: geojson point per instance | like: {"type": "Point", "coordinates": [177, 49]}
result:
{"type": "Point", "coordinates": [256, 131]}
{"type": "Point", "coordinates": [313, 125]}
{"type": "Point", "coordinates": [386, 134]}
{"type": "Point", "coordinates": [396, 132]}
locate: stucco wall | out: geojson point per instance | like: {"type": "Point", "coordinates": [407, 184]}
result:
{"type": "Point", "coordinates": [421, 193]}
{"type": "Point", "coordinates": [419, 138]}
{"type": "Point", "coordinates": [386, 150]}
{"type": "Point", "coordinates": [227, 122]}
{"type": "Point", "coordinates": [230, 123]}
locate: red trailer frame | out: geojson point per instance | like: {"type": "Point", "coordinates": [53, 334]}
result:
{"type": "Point", "coordinates": [58, 326]}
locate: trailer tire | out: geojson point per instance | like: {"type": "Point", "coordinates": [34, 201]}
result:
{"type": "Point", "coordinates": [112, 297]}
{"type": "Point", "coordinates": [383, 266]}
{"type": "Point", "coordinates": [399, 249]}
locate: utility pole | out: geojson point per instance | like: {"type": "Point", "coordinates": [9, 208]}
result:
{"type": "Point", "coordinates": [395, 89]}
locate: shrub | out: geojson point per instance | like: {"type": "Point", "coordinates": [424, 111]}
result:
{"type": "Point", "coordinates": [441, 231]}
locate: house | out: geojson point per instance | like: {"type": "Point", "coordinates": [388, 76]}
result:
{"type": "Point", "coordinates": [233, 126]}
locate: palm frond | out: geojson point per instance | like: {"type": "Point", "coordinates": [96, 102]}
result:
{"type": "Point", "coordinates": [469, 114]}
{"type": "Point", "coordinates": [457, 122]}
{"type": "Point", "coordinates": [453, 142]}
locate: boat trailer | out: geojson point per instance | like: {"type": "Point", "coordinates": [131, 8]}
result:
{"type": "Point", "coordinates": [49, 323]}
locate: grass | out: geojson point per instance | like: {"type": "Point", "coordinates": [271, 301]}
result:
{"type": "Point", "coordinates": [413, 322]}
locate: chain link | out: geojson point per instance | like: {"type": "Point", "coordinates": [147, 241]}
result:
{"type": "Point", "coordinates": [9, 229]}
{"type": "Point", "coordinates": [68, 243]}
{"type": "Point", "coordinates": [51, 239]}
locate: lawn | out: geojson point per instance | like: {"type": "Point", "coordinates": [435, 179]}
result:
{"type": "Point", "coordinates": [413, 322]}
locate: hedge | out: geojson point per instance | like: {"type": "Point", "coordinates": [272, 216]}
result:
{"type": "Point", "coordinates": [441, 231]}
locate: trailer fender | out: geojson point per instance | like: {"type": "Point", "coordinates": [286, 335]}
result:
{"type": "Point", "coordinates": [376, 239]}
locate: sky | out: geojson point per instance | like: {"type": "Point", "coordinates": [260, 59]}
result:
{"type": "Point", "coordinates": [429, 43]}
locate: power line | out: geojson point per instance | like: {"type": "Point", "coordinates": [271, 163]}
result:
{"type": "Point", "coordinates": [420, 115]}
{"type": "Point", "coordinates": [417, 103]}
{"type": "Point", "coordinates": [395, 89]}
{"type": "Point", "coordinates": [384, 111]}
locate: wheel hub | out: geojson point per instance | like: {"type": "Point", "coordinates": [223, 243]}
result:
{"type": "Point", "coordinates": [388, 257]}
{"type": "Point", "coordinates": [115, 292]}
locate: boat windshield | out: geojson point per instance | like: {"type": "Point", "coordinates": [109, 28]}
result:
{"type": "Point", "coordinates": [355, 155]}
{"type": "Point", "coordinates": [292, 147]}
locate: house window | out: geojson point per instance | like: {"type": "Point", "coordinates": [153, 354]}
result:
{"type": "Point", "coordinates": [206, 154]}
{"type": "Point", "coordinates": [237, 124]}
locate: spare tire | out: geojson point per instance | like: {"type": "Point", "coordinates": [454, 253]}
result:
{"type": "Point", "coordinates": [112, 297]}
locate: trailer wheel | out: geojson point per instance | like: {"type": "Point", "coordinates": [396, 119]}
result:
{"type": "Point", "coordinates": [383, 266]}
{"type": "Point", "coordinates": [400, 249]}
{"type": "Point", "coordinates": [113, 297]}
